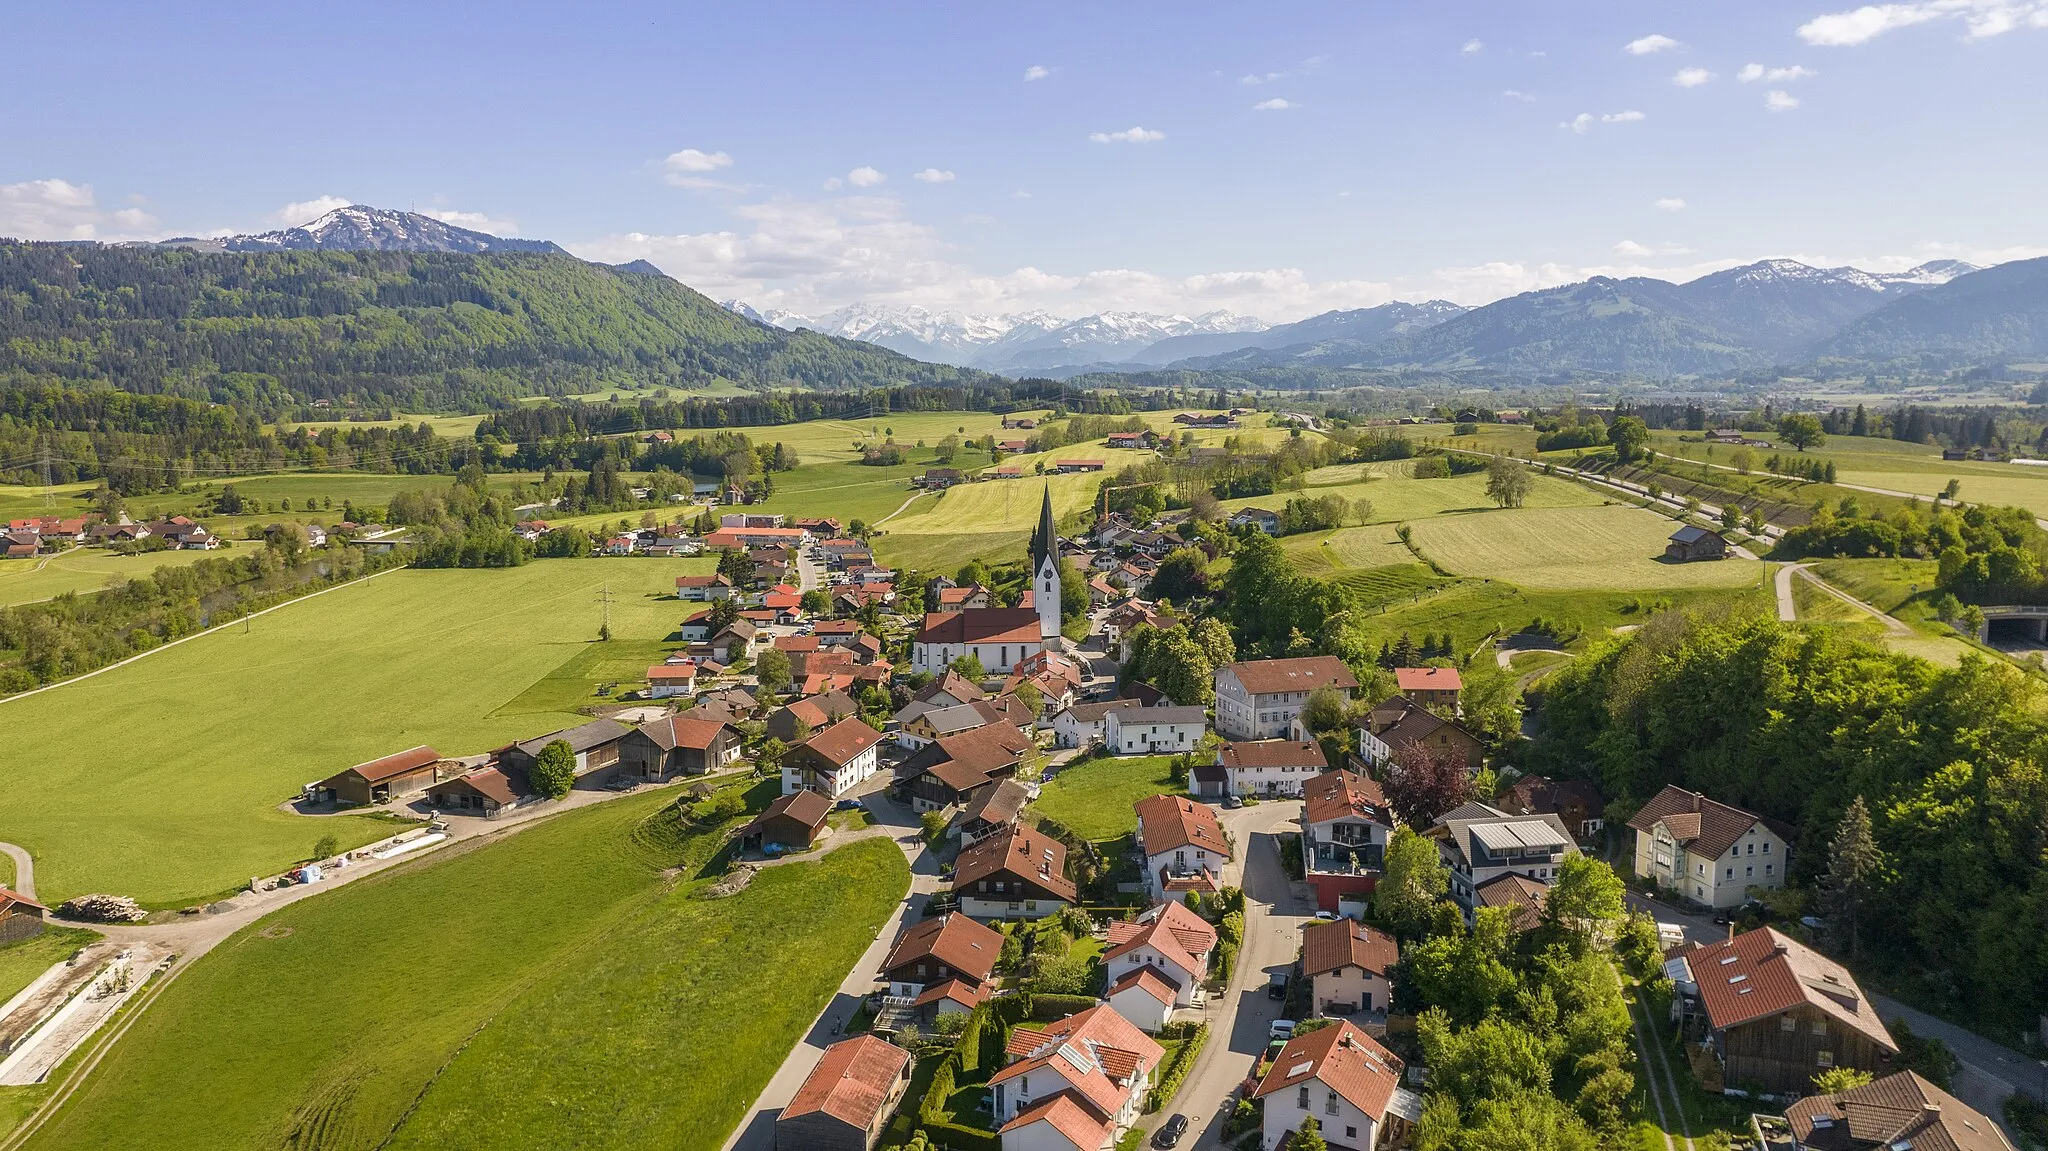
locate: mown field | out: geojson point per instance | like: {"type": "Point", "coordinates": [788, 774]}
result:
{"type": "Point", "coordinates": [1612, 547]}
{"type": "Point", "coordinates": [82, 570]}
{"type": "Point", "coordinates": [454, 427]}
{"type": "Point", "coordinates": [549, 990]}
{"type": "Point", "coordinates": [1094, 798]}
{"type": "Point", "coordinates": [222, 729]}
{"type": "Point", "coordinates": [1397, 497]}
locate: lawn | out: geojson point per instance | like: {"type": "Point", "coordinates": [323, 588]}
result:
{"type": "Point", "coordinates": [231, 724]}
{"type": "Point", "coordinates": [1393, 602]}
{"type": "Point", "coordinates": [1093, 798]}
{"type": "Point", "coordinates": [454, 427]}
{"type": "Point", "coordinates": [80, 570]}
{"type": "Point", "coordinates": [992, 520]}
{"type": "Point", "coordinates": [1612, 547]}
{"type": "Point", "coordinates": [548, 990]}
{"type": "Point", "coordinates": [1322, 553]}
{"type": "Point", "coordinates": [20, 963]}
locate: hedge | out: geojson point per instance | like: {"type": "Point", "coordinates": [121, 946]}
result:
{"type": "Point", "coordinates": [1051, 1008]}
{"type": "Point", "coordinates": [958, 1138]}
{"type": "Point", "coordinates": [1171, 1075]}
{"type": "Point", "coordinates": [930, 1108]}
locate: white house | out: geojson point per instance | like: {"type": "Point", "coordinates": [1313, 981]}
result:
{"type": "Point", "coordinates": [1259, 699]}
{"type": "Point", "coordinates": [666, 680]}
{"type": "Point", "coordinates": [1344, 1078]}
{"type": "Point", "coordinates": [832, 762]}
{"type": "Point", "coordinates": [999, 637]}
{"type": "Point", "coordinates": [1153, 730]}
{"type": "Point", "coordinates": [1711, 853]}
{"type": "Point", "coordinates": [1270, 767]}
{"type": "Point", "coordinates": [1183, 845]}
{"type": "Point", "coordinates": [704, 588]}
{"type": "Point", "coordinates": [1348, 965]}
{"type": "Point", "coordinates": [1083, 723]}
{"type": "Point", "coordinates": [1075, 1085]}
{"type": "Point", "coordinates": [1144, 997]}
{"type": "Point", "coordinates": [1171, 943]}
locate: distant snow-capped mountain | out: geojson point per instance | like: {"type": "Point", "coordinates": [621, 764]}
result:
{"type": "Point", "coordinates": [1014, 341]}
{"type": "Point", "coordinates": [360, 227]}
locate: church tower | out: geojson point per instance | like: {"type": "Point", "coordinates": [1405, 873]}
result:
{"type": "Point", "coordinates": [1045, 568]}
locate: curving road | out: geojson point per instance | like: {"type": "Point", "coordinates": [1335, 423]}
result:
{"type": "Point", "coordinates": [24, 869]}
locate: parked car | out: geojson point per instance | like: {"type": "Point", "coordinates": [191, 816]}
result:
{"type": "Point", "coordinates": [1327, 916]}
{"type": "Point", "coordinates": [1169, 1132]}
{"type": "Point", "coordinates": [1232, 802]}
{"type": "Point", "coordinates": [847, 805]}
{"type": "Point", "coordinates": [1276, 987]}
{"type": "Point", "coordinates": [1281, 1029]}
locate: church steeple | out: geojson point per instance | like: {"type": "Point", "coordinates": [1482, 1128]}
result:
{"type": "Point", "coordinates": [1045, 541]}
{"type": "Point", "coordinates": [1045, 570]}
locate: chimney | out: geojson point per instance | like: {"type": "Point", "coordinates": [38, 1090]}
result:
{"type": "Point", "coordinates": [1931, 1107]}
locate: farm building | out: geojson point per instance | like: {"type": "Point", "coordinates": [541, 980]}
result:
{"type": "Point", "coordinates": [678, 745]}
{"type": "Point", "coordinates": [596, 745]}
{"type": "Point", "coordinates": [381, 780]}
{"type": "Point", "coordinates": [792, 821]}
{"type": "Point", "coordinates": [1776, 1013]}
{"type": "Point", "coordinates": [20, 916]}
{"type": "Point", "coordinates": [847, 1098]}
{"type": "Point", "coordinates": [1691, 543]}
{"type": "Point", "coordinates": [488, 791]}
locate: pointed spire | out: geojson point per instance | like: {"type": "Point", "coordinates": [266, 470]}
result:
{"type": "Point", "coordinates": [1045, 541]}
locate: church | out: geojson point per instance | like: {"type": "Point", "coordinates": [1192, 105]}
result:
{"type": "Point", "coordinates": [1000, 637]}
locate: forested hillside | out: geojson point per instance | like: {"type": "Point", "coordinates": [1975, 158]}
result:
{"type": "Point", "coordinates": [419, 331]}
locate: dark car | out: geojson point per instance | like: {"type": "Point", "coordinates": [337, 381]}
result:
{"type": "Point", "coordinates": [1277, 989]}
{"type": "Point", "coordinates": [847, 805]}
{"type": "Point", "coordinates": [1169, 1132]}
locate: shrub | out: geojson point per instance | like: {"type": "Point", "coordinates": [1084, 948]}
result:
{"type": "Point", "coordinates": [554, 770]}
{"type": "Point", "coordinates": [1048, 1008]}
{"type": "Point", "coordinates": [1176, 1067]}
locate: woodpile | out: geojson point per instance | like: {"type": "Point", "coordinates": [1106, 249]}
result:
{"type": "Point", "coordinates": [102, 909]}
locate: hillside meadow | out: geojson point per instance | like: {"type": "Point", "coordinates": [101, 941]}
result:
{"type": "Point", "coordinates": [1614, 547]}
{"type": "Point", "coordinates": [179, 799]}
{"type": "Point", "coordinates": [81, 570]}
{"type": "Point", "coordinates": [547, 990]}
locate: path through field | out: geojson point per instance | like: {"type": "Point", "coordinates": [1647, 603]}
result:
{"type": "Point", "coordinates": [24, 869]}
{"type": "Point", "coordinates": [1788, 613]}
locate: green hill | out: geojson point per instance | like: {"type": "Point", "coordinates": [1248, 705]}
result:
{"type": "Point", "coordinates": [418, 331]}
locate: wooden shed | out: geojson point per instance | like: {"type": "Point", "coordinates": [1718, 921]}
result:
{"type": "Point", "coordinates": [20, 916]}
{"type": "Point", "coordinates": [382, 780]}
{"type": "Point", "coordinates": [1694, 543]}
{"type": "Point", "coordinates": [792, 821]}
{"type": "Point", "coordinates": [488, 791]}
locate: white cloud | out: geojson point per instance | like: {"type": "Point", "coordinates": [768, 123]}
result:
{"type": "Point", "coordinates": [865, 177]}
{"type": "Point", "coordinates": [1981, 19]}
{"type": "Point", "coordinates": [1669, 204]}
{"type": "Point", "coordinates": [1632, 249]}
{"type": "Point", "coordinates": [1650, 44]}
{"type": "Point", "coordinates": [1692, 77]}
{"type": "Point", "coordinates": [306, 211]}
{"type": "Point", "coordinates": [687, 168]}
{"type": "Point", "coordinates": [474, 221]}
{"type": "Point", "coordinates": [1751, 73]}
{"type": "Point", "coordinates": [1128, 136]}
{"type": "Point", "coordinates": [1274, 105]}
{"type": "Point", "coordinates": [1021, 194]}
{"type": "Point", "coordinates": [934, 176]}
{"type": "Point", "coordinates": [61, 210]}
{"type": "Point", "coordinates": [1584, 121]}
{"type": "Point", "coordinates": [1036, 72]}
{"type": "Point", "coordinates": [1779, 100]}
{"type": "Point", "coordinates": [1253, 79]}
{"type": "Point", "coordinates": [1472, 46]}
{"type": "Point", "coordinates": [1524, 97]}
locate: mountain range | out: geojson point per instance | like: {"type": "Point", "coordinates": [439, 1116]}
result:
{"type": "Point", "coordinates": [361, 228]}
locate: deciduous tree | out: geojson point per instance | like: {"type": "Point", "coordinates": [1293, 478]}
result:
{"type": "Point", "coordinates": [554, 770]}
{"type": "Point", "coordinates": [1424, 782]}
{"type": "Point", "coordinates": [1507, 481]}
{"type": "Point", "coordinates": [1412, 881]}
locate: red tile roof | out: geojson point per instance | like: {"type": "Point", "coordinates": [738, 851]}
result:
{"type": "Point", "coordinates": [841, 742]}
{"type": "Point", "coordinates": [852, 1081]}
{"type": "Point", "coordinates": [1268, 676]}
{"type": "Point", "coordinates": [1173, 821]}
{"type": "Point", "coordinates": [1343, 795]}
{"type": "Point", "coordinates": [8, 895]}
{"type": "Point", "coordinates": [1345, 1059]}
{"type": "Point", "coordinates": [1428, 679]}
{"type": "Point", "coordinates": [981, 625]}
{"type": "Point", "coordinates": [396, 764]}
{"type": "Point", "coordinates": [1148, 980]}
{"type": "Point", "coordinates": [955, 940]}
{"type": "Point", "coordinates": [1327, 946]}
{"type": "Point", "coordinates": [1068, 1118]}
{"type": "Point", "coordinates": [1273, 753]}
{"type": "Point", "coordinates": [1705, 827]}
{"type": "Point", "coordinates": [1763, 973]}
{"type": "Point", "coordinates": [1901, 1110]}
{"type": "Point", "coordinates": [806, 807]}
{"type": "Point", "coordinates": [1170, 929]}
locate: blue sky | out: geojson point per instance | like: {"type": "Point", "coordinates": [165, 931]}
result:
{"type": "Point", "coordinates": [1273, 159]}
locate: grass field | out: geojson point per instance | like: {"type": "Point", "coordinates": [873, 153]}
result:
{"type": "Point", "coordinates": [81, 570]}
{"type": "Point", "coordinates": [992, 520]}
{"type": "Point", "coordinates": [236, 721]}
{"type": "Point", "coordinates": [1094, 798]}
{"type": "Point", "coordinates": [20, 963]}
{"type": "Point", "coordinates": [454, 427]}
{"type": "Point", "coordinates": [550, 990]}
{"type": "Point", "coordinates": [1328, 553]}
{"type": "Point", "coordinates": [1400, 498]}
{"type": "Point", "coordinates": [1594, 547]}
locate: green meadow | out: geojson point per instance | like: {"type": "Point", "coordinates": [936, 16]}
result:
{"type": "Point", "coordinates": [82, 570]}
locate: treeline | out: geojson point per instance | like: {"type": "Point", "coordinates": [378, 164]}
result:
{"type": "Point", "coordinates": [74, 634]}
{"type": "Point", "coordinates": [1986, 554]}
{"type": "Point", "coordinates": [1797, 724]}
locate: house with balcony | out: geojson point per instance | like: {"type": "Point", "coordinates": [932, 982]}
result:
{"type": "Point", "coordinates": [940, 965]}
{"type": "Point", "coordinates": [1710, 853]}
{"type": "Point", "coordinates": [1074, 1085]}
{"type": "Point", "coordinates": [1014, 874]}
{"type": "Point", "coordinates": [1183, 846]}
{"type": "Point", "coordinates": [1344, 1079]}
{"type": "Point", "coordinates": [1166, 949]}
{"type": "Point", "coordinates": [1480, 844]}
{"type": "Point", "coordinates": [1345, 824]}
{"type": "Point", "coordinates": [1260, 699]}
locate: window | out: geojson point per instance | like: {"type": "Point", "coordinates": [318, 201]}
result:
{"type": "Point", "coordinates": [1351, 1133]}
{"type": "Point", "coordinates": [1820, 1027]}
{"type": "Point", "coordinates": [1731, 873]}
{"type": "Point", "coordinates": [1767, 868]}
{"type": "Point", "coordinates": [1752, 850]}
{"type": "Point", "coordinates": [1787, 1023]}
{"type": "Point", "coordinates": [1767, 847]}
{"type": "Point", "coordinates": [1330, 1105]}
{"type": "Point", "coordinates": [920, 971]}
{"type": "Point", "coordinates": [1749, 871]}
{"type": "Point", "coordinates": [1301, 1100]}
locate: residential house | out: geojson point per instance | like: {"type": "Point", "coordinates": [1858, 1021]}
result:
{"type": "Point", "coordinates": [1014, 874]}
{"type": "Point", "coordinates": [1401, 723]}
{"type": "Point", "coordinates": [834, 761]}
{"type": "Point", "coordinates": [20, 545]}
{"type": "Point", "coordinates": [846, 1100]}
{"type": "Point", "coordinates": [1577, 802]}
{"type": "Point", "coordinates": [1260, 699]}
{"type": "Point", "coordinates": [1125, 618]}
{"type": "Point", "coordinates": [400, 774]}
{"type": "Point", "coordinates": [728, 538]}
{"type": "Point", "coordinates": [736, 642]}
{"type": "Point", "coordinates": [941, 965]}
{"type": "Point", "coordinates": [183, 534]}
{"type": "Point", "coordinates": [1130, 440]}
{"type": "Point", "coordinates": [1480, 843]}
{"type": "Point", "coordinates": [1776, 1013]}
{"type": "Point", "coordinates": [678, 745]}
{"type": "Point", "coordinates": [998, 637]}
{"type": "Point", "coordinates": [1711, 853]}
{"type": "Point", "coordinates": [929, 724]}
{"type": "Point", "coordinates": [993, 810]}
{"type": "Point", "coordinates": [487, 791]}
{"type": "Point", "coordinates": [836, 632]}
{"type": "Point", "coordinates": [1167, 941]}
{"type": "Point", "coordinates": [20, 917]}
{"type": "Point", "coordinates": [1056, 677]}
{"type": "Point", "coordinates": [1902, 1110]}
{"type": "Point", "coordinates": [1260, 518]}
{"type": "Point", "coordinates": [939, 479]}
{"type": "Point", "coordinates": [1084, 723]}
{"type": "Point", "coordinates": [1347, 1081]}
{"type": "Point", "coordinates": [696, 628]}
{"type": "Point", "coordinates": [1522, 896]}
{"type": "Point", "coordinates": [595, 744]}
{"type": "Point", "coordinates": [1430, 686]}
{"type": "Point", "coordinates": [802, 718]}
{"type": "Point", "coordinates": [1075, 1085]}
{"type": "Point", "coordinates": [793, 822]}
{"type": "Point", "coordinates": [1349, 966]}
{"type": "Point", "coordinates": [749, 520]}
{"type": "Point", "coordinates": [950, 687]}
{"type": "Point", "coordinates": [958, 769]}
{"type": "Point", "coordinates": [1153, 730]}
{"type": "Point", "coordinates": [1183, 846]}
{"type": "Point", "coordinates": [1345, 824]}
{"type": "Point", "coordinates": [1268, 767]}
{"type": "Point", "coordinates": [667, 680]}
{"type": "Point", "coordinates": [1695, 543]}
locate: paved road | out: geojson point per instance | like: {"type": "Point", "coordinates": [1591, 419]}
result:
{"type": "Point", "coordinates": [1990, 1071]}
{"type": "Point", "coordinates": [1787, 610]}
{"type": "Point", "coordinates": [757, 1131]}
{"type": "Point", "coordinates": [1240, 1016]}
{"type": "Point", "coordinates": [24, 869]}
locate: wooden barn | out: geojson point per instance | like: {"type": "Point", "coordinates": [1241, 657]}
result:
{"type": "Point", "coordinates": [20, 916]}
{"type": "Point", "coordinates": [1691, 543]}
{"type": "Point", "coordinates": [846, 1099]}
{"type": "Point", "coordinates": [382, 780]}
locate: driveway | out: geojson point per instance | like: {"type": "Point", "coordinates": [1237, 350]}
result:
{"type": "Point", "coordinates": [1239, 1017]}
